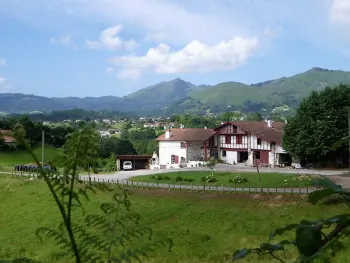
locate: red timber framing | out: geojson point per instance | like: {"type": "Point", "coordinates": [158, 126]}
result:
{"type": "Point", "coordinates": [230, 129]}
{"type": "Point", "coordinates": [205, 151]}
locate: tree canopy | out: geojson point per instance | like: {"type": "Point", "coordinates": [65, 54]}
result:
{"type": "Point", "coordinates": [319, 122]}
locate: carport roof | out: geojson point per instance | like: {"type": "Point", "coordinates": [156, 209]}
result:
{"type": "Point", "coordinates": [133, 156]}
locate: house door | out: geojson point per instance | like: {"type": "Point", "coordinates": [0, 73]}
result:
{"type": "Point", "coordinates": [264, 157]}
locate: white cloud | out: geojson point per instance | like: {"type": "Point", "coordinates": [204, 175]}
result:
{"type": "Point", "coordinates": [109, 70]}
{"type": "Point", "coordinates": [110, 41]}
{"type": "Point", "coordinates": [194, 57]}
{"type": "Point", "coordinates": [3, 84]}
{"type": "Point", "coordinates": [340, 12]}
{"type": "Point", "coordinates": [62, 40]}
{"type": "Point", "coordinates": [129, 74]}
{"type": "Point", "coordinates": [2, 62]}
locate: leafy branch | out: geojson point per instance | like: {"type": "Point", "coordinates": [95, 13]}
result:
{"type": "Point", "coordinates": [313, 239]}
{"type": "Point", "coordinates": [101, 238]}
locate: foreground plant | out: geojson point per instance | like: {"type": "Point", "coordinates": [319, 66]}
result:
{"type": "Point", "coordinates": [102, 237]}
{"type": "Point", "coordinates": [314, 240]}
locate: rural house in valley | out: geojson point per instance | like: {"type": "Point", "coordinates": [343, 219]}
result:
{"type": "Point", "coordinates": [178, 146]}
{"type": "Point", "coordinates": [248, 143]}
{"type": "Point", "coordinates": [252, 143]}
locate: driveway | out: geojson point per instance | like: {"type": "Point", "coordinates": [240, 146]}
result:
{"type": "Point", "coordinates": [123, 175]}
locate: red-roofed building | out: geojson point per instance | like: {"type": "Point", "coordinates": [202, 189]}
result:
{"type": "Point", "coordinates": [245, 142]}
{"type": "Point", "coordinates": [252, 143]}
{"type": "Point", "coordinates": [7, 136]}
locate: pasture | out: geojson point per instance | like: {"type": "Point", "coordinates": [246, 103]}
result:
{"type": "Point", "coordinates": [205, 227]}
{"type": "Point", "coordinates": [23, 157]}
{"type": "Point", "coordinates": [227, 179]}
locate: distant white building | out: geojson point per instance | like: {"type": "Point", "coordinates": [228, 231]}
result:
{"type": "Point", "coordinates": [104, 133]}
{"type": "Point", "coordinates": [106, 121]}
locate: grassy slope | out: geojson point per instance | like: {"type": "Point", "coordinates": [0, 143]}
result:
{"type": "Point", "coordinates": [204, 227]}
{"type": "Point", "coordinates": [268, 179]}
{"type": "Point", "coordinates": [22, 157]}
{"type": "Point", "coordinates": [299, 86]}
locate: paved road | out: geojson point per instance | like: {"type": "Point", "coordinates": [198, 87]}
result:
{"type": "Point", "coordinates": [123, 175]}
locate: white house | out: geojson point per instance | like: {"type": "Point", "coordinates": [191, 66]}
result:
{"type": "Point", "coordinates": [252, 143]}
{"type": "Point", "coordinates": [180, 146]}
{"type": "Point", "coordinates": [249, 143]}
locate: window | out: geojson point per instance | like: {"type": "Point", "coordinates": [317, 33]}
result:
{"type": "Point", "coordinates": [228, 139]}
{"type": "Point", "coordinates": [183, 145]}
{"type": "Point", "coordinates": [239, 139]}
{"type": "Point", "coordinates": [173, 159]}
{"type": "Point", "coordinates": [223, 153]}
{"type": "Point", "coordinates": [258, 141]}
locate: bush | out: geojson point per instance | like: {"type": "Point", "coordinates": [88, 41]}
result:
{"type": "Point", "coordinates": [178, 178]}
{"type": "Point", "coordinates": [302, 178]}
{"type": "Point", "coordinates": [209, 179]}
{"type": "Point", "coordinates": [188, 179]}
{"type": "Point", "coordinates": [159, 177]}
{"type": "Point", "coordinates": [239, 179]}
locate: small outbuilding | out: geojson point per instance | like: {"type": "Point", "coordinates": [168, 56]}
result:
{"type": "Point", "coordinates": [138, 161]}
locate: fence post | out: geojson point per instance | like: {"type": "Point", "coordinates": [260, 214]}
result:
{"type": "Point", "coordinates": [292, 190]}
{"type": "Point", "coordinates": [276, 190]}
{"type": "Point", "coordinates": [222, 188]}
{"type": "Point", "coordinates": [268, 190]}
{"type": "Point", "coordinates": [307, 188]}
{"type": "Point", "coordinates": [284, 189]}
{"type": "Point", "coordinates": [249, 188]}
{"type": "Point", "coordinates": [299, 190]}
{"type": "Point", "coordinates": [216, 186]}
{"type": "Point", "coordinates": [235, 188]}
{"type": "Point", "coordinates": [192, 187]}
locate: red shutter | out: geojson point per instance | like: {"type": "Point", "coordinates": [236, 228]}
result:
{"type": "Point", "coordinates": [176, 159]}
{"type": "Point", "coordinates": [228, 139]}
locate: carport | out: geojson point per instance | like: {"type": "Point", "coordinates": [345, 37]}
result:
{"type": "Point", "coordinates": [138, 161]}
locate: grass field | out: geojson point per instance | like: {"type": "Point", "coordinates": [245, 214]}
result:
{"type": "Point", "coordinates": [205, 227]}
{"type": "Point", "coordinates": [267, 179]}
{"type": "Point", "coordinates": [22, 157]}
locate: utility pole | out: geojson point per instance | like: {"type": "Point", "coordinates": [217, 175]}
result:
{"type": "Point", "coordinates": [42, 146]}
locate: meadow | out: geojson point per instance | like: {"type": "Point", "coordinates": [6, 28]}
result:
{"type": "Point", "coordinates": [205, 227]}
{"type": "Point", "coordinates": [226, 179]}
{"type": "Point", "coordinates": [23, 157]}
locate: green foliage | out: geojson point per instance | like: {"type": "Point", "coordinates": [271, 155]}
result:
{"type": "Point", "coordinates": [116, 228]}
{"type": "Point", "coordinates": [239, 179]}
{"type": "Point", "coordinates": [160, 177]}
{"type": "Point", "coordinates": [209, 179]}
{"type": "Point", "coordinates": [109, 145]}
{"type": "Point", "coordinates": [313, 239]}
{"type": "Point", "coordinates": [255, 117]}
{"type": "Point", "coordinates": [319, 122]}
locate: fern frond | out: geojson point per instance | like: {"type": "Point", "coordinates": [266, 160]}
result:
{"type": "Point", "coordinates": [55, 236]}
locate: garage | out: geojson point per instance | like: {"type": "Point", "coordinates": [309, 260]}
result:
{"type": "Point", "coordinates": [137, 161]}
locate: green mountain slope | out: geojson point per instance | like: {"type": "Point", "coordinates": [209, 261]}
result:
{"type": "Point", "coordinates": [162, 94]}
{"type": "Point", "coordinates": [179, 96]}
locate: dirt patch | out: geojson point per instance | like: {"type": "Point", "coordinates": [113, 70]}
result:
{"type": "Point", "coordinates": [202, 197]}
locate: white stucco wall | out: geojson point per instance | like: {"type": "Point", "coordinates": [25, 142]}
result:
{"type": "Point", "coordinates": [279, 149]}
{"type": "Point", "coordinates": [166, 149]}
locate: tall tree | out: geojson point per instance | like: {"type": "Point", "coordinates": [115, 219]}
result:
{"type": "Point", "coordinates": [319, 122]}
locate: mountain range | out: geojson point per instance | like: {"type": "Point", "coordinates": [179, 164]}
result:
{"type": "Point", "coordinates": [178, 96]}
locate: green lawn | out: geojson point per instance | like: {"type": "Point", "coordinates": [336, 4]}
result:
{"type": "Point", "coordinates": [22, 157]}
{"type": "Point", "coordinates": [223, 178]}
{"type": "Point", "coordinates": [205, 227]}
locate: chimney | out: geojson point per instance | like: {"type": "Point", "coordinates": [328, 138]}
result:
{"type": "Point", "coordinates": [269, 123]}
{"type": "Point", "coordinates": [167, 133]}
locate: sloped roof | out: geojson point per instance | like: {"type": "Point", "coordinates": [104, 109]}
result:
{"type": "Point", "coordinates": [7, 136]}
{"type": "Point", "coordinates": [261, 129]}
{"type": "Point", "coordinates": [189, 134]}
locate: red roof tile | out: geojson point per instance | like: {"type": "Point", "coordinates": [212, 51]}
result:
{"type": "Point", "coordinates": [7, 136]}
{"type": "Point", "coordinates": [189, 134]}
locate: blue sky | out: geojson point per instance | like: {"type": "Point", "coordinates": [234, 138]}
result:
{"type": "Point", "coordinates": [115, 47]}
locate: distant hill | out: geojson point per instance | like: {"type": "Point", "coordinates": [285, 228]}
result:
{"type": "Point", "coordinates": [178, 96]}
